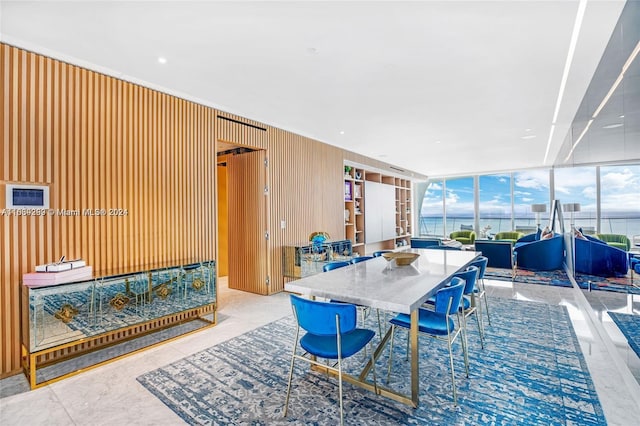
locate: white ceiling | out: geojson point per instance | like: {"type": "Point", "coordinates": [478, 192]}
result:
{"type": "Point", "coordinates": [395, 77]}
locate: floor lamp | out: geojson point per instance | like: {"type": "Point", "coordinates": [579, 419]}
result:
{"type": "Point", "coordinates": [571, 208]}
{"type": "Point", "coordinates": [537, 209]}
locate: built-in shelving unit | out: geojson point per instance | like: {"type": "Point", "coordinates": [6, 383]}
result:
{"type": "Point", "coordinates": [354, 208]}
{"type": "Point", "coordinates": [389, 216]}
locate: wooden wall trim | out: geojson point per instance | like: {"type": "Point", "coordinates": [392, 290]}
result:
{"type": "Point", "coordinates": [100, 143]}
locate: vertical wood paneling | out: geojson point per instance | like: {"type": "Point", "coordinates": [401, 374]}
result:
{"type": "Point", "coordinates": [306, 191]}
{"type": "Point", "coordinates": [100, 143]}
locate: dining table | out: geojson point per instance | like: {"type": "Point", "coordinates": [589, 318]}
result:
{"type": "Point", "coordinates": [383, 284]}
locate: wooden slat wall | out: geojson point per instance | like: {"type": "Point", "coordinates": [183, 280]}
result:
{"type": "Point", "coordinates": [101, 143]}
{"type": "Point", "coordinates": [241, 131]}
{"type": "Point", "coordinates": [306, 181]}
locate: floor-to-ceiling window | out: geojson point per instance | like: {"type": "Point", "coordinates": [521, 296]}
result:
{"type": "Point", "coordinates": [530, 187]}
{"type": "Point", "coordinates": [459, 203]}
{"type": "Point", "coordinates": [431, 212]}
{"type": "Point", "coordinates": [620, 200]}
{"type": "Point", "coordinates": [607, 195]}
{"type": "Point", "coordinates": [494, 209]}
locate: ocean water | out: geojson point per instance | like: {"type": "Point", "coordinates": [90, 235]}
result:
{"type": "Point", "coordinates": [434, 225]}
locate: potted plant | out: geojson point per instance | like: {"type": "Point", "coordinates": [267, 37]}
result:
{"type": "Point", "coordinates": [347, 171]}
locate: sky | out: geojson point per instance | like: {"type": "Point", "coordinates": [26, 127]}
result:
{"type": "Point", "coordinates": [620, 192]}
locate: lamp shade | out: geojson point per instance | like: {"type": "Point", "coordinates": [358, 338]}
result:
{"type": "Point", "coordinates": [538, 208]}
{"type": "Point", "coordinates": [571, 207]}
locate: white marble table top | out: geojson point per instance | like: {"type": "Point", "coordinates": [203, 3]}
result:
{"type": "Point", "coordinates": [383, 285]}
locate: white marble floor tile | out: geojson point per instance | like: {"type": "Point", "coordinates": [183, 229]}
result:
{"type": "Point", "coordinates": [111, 395]}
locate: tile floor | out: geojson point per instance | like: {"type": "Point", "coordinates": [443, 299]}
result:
{"type": "Point", "coordinates": [111, 395]}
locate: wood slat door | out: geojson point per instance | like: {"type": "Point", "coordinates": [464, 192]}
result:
{"type": "Point", "coordinates": [248, 219]}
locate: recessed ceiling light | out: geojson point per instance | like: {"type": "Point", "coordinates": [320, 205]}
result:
{"type": "Point", "coordinates": [621, 116]}
{"type": "Point", "coordinates": [612, 125]}
{"type": "Point", "coordinates": [162, 60]}
{"type": "Point", "coordinates": [528, 137]}
{"type": "Point", "coordinates": [438, 141]}
{"type": "Point", "coordinates": [527, 130]}
{"type": "Point", "coordinates": [342, 132]}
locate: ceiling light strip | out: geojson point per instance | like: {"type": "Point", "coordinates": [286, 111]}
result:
{"type": "Point", "coordinates": [565, 75]}
{"type": "Point", "coordinates": [609, 93]}
{"type": "Point", "coordinates": [578, 140]}
{"type": "Point", "coordinates": [632, 57]}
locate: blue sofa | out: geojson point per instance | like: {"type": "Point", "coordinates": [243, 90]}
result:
{"type": "Point", "coordinates": [539, 255]}
{"type": "Point", "coordinates": [596, 257]}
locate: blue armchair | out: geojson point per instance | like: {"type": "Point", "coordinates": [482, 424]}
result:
{"type": "Point", "coordinates": [596, 257]}
{"type": "Point", "coordinates": [539, 255]}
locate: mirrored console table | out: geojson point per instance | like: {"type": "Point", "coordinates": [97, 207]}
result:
{"type": "Point", "coordinates": [302, 260]}
{"type": "Point", "coordinates": [72, 323]}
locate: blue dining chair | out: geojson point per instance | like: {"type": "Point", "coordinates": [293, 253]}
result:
{"type": "Point", "coordinates": [481, 293]}
{"type": "Point", "coordinates": [334, 265]}
{"type": "Point", "coordinates": [470, 305]}
{"type": "Point", "coordinates": [331, 333]}
{"type": "Point", "coordinates": [359, 259]}
{"type": "Point", "coordinates": [381, 252]}
{"type": "Point", "coordinates": [439, 324]}
{"type": "Point", "coordinates": [340, 264]}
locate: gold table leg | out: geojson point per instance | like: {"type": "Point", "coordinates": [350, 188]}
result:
{"type": "Point", "coordinates": [415, 384]}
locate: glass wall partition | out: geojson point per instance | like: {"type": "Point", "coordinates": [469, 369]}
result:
{"type": "Point", "coordinates": [620, 200]}
{"type": "Point", "coordinates": [494, 210]}
{"type": "Point", "coordinates": [459, 204]}
{"type": "Point", "coordinates": [577, 185]}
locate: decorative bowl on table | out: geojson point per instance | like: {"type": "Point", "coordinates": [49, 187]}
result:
{"type": "Point", "coordinates": [401, 258]}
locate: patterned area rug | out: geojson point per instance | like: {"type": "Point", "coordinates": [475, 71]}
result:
{"type": "Point", "coordinates": [555, 278]}
{"type": "Point", "coordinates": [559, 278]}
{"type": "Point", "coordinates": [625, 284]}
{"type": "Point", "coordinates": [531, 372]}
{"type": "Point", "coordinates": [629, 325]}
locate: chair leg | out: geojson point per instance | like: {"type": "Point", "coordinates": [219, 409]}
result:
{"type": "Point", "coordinates": [486, 305]}
{"type": "Point", "coordinates": [379, 323]}
{"type": "Point", "coordinates": [340, 389]}
{"type": "Point", "coordinates": [453, 377]}
{"type": "Point", "coordinates": [465, 347]}
{"type": "Point", "coordinates": [293, 359]}
{"type": "Point", "coordinates": [393, 329]}
{"type": "Point", "coordinates": [478, 305]}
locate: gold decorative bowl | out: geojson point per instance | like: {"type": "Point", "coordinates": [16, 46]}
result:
{"type": "Point", "coordinates": [401, 258]}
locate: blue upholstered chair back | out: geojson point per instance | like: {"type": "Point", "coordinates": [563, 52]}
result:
{"type": "Point", "coordinates": [470, 275]}
{"type": "Point", "coordinates": [380, 252]}
{"type": "Point", "coordinates": [424, 242]}
{"type": "Point", "coordinates": [360, 259]}
{"type": "Point", "coordinates": [334, 265]}
{"type": "Point", "coordinates": [453, 292]}
{"type": "Point", "coordinates": [319, 318]}
{"type": "Point", "coordinates": [480, 263]}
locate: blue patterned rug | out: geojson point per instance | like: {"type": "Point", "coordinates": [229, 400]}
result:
{"type": "Point", "coordinates": [559, 278]}
{"type": "Point", "coordinates": [629, 325]}
{"type": "Point", "coordinates": [554, 278]}
{"type": "Point", "coordinates": [531, 372]}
